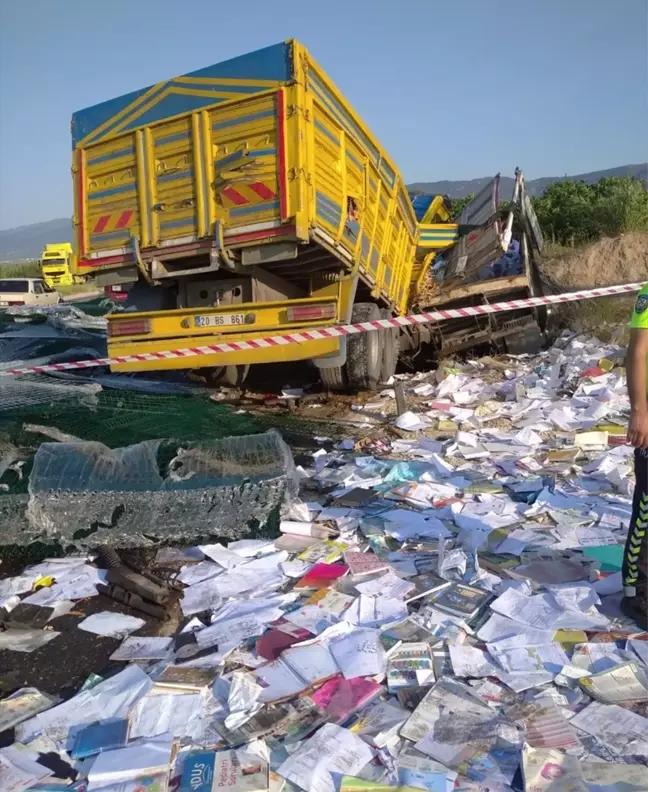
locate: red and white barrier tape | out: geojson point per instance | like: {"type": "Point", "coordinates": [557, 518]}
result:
{"type": "Point", "coordinates": [335, 331]}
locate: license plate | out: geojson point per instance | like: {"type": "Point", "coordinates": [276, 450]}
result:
{"type": "Point", "coordinates": [219, 320]}
{"type": "Point", "coordinates": [3, 302]}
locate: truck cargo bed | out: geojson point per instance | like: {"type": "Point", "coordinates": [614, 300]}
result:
{"type": "Point", "coordinates": [257, 161]}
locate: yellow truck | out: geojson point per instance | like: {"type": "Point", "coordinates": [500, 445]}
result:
{"type": "Point", "coordinates": [244, 200]}
{"type": "Point", "coordinates": [58, 265]}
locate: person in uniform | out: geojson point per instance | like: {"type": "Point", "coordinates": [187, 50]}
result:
{"type": "Point", "coordinates": [635, 556]}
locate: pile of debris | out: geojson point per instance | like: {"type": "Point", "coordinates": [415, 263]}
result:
{"type": "Point", "coordinates": [440, 611]}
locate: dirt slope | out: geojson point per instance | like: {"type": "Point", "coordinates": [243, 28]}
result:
{"type": "Point", "coordinates": [609, 261]}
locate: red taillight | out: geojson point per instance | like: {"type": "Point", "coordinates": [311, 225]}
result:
{"type": "Point", "coordinates": [116, 293]}
{"type": "Point", "coordinates": [15, 302]}
{"type": "Point", "coordinates": [124, 327]}
{"type": "Point", "coordinates": [304, 313]}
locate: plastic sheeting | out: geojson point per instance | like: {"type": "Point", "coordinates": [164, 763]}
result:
{"type": "Point", "coordinates": [86, 494]}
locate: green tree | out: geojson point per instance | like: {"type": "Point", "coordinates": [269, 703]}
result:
{"type": "Point", "coordinates": [457, 205]}
{"type": "Point", "coordinates": [620, 206]}
{"type": "Point", "coordinates": [565, 212]}
{"type": "Point", "coordinates": [572, 213]}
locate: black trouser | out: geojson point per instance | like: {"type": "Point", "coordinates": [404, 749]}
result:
{"type": "Point", "coordinates": [635, 555]}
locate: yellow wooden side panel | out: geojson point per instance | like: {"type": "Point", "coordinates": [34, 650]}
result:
{"type": "Point", "coordinates": [174, 206]}
{"type": "Point", "coordinates": [244, 156]}
{"type": "Point", "coordinates": [111, 198]}
{"type": "Point", "coordinates": [328, 163]}
{"type": "Point", "coordinates": [359, 198]}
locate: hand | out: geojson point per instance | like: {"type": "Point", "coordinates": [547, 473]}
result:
{"type": "Point", "coordinates": [638, 429]}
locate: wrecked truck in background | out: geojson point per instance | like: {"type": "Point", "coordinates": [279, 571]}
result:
{"type": "Point", "coordinates": [261, 204]}
{"type": "Point", "coordinates": [493, 257]}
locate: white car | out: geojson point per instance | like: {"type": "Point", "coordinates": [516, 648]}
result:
{"type": "Point", "coordinates": [27, 291]}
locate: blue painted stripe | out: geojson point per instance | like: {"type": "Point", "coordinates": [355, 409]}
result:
{"type": "Point", "coordinates": [387, 173]}
{"type": "Point", "coordinates": [113, 155]}
{"type": "Point", "coordinates": [327, 133]}
{"type": "Point", "coordinates": [338, 111]}
{"type": "Point", "coordinates": [242, 89]}
{"type": "Point", "coordinates": [180, 223]}
{"type": "Point", "coordinates": [440, 235]}
{"type": "Point", "coordinates": [136, 103]}
{"type": "Point", "coordinates": [260, 207]}
{"type": "Point", "coordinates": [244, 119]}
{"type": "Point", "coordinates": [354, 159]}
{"type": "Point", "coordinates": [272, 63]}
{"type": "Point", "coordinates": [112, 191]}
{"type": "Point", "coordinates": [328, 215]}
{"type": "Point", "coordinates": [263, 152]}
{"type": "Point", "coordinates": [167, 177]}
{"type": "Point", "coordinates": [373, 185]}
{"type": "Point", "coordinates": [351, 228]}
{"type": "Point", "coordinates": [325, 199]}
{"type": "Point", "coordinates": [172, 138]}
{"type": "Point", "coordinates": [374, 261]}
{"type": "Point", "coordinates": [109, 235]}
{"type": "Point", "coordinates": [237, 155]}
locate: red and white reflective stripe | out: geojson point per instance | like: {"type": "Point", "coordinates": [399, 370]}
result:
{"type": "Point", "coordinates": [334, 332]}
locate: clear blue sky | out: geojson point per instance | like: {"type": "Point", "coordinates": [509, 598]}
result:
{"type": "Point", "coordinates": [453, 90]}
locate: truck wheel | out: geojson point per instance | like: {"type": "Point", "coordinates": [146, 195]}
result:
{"type": "Point", "coordinates": [390, 349]}
{"type": "Point", "coordinates": [334, 378]}
{"type": "Point", "coordinates": [364, 350]}
{"type": "Point", "coordinates": [230, 376]}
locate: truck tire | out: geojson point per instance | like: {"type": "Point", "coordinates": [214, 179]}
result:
{"type": "Point", "coordinates": [364, 351]}
{"type": "Point", "coordinates": [229, 376]}
{"type": "Point", "coordinates": [363, 366]}
{"type": "Point", "coordinates": [390, 349]}
{"type": "Point", "coordinates": [334, 378]}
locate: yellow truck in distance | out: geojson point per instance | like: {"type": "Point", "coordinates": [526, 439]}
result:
{"type": "Point", "coordinates": [58, 265]}
{"type": "Point", "coordinates": [244, 200]}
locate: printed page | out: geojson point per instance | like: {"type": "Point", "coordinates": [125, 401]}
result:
{"type": "Point", "coordinates": [619, 684]}
{"type": "Point", "coordinates": [163, 713]}
{"type": "Point", "coordinates": [331, 750]}
{"type": "Point", "coordinates": [359, 654]}
{"type": "Point", "coordinates": [549, 770]}
{"type": "Point", "coordinates": [313, 663]}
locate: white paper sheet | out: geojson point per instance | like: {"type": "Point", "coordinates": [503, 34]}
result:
{"type": "Point", "coordinates": [312, 618]}
{"type": "Point", "coordinates": [195, 573]}
{"type": "Point", "coordinates": [162, 713]}
{"type": "Point", "coordinates": [375, 611]}
{"type": "Point", "coordinates": [468, 661]}
{"type": "Point", "coordinates": [388, 585]}
{"type": "Point", "coordinates": [620, 729]}
{"type": "Point", "coordinates": [138, 758]}
{"type": "Point", "coordinates": [360, 653]}
{"type": "Point", "coordinates": [26, 639]}
{"type": "Point", "coordinates": [329, 753]}
{"type": "Point", "coordinates": [113, 625]}
{"type": "Point", "coordinates": [18, 770]}
{"type": "Point", "coordinates": [112, 698]}
{"type": "Point", "coordinates": [312, 662]}
{"type": "Point", "coordinates": [143, 648]}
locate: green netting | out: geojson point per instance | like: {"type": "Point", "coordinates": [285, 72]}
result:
{"type": "Point", "coordinates": [120, 418]}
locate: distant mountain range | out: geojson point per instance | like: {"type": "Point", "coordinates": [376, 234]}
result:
{"type": "Point", "coordinates": [27, 242]}
{"type": "Point", "coordinates": [459, 189]}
